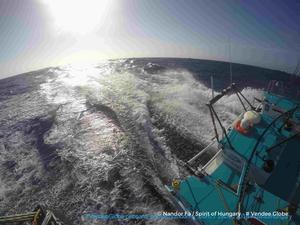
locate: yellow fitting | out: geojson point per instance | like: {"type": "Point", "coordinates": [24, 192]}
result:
{"type": "Point", "coordinates": [176, 184]}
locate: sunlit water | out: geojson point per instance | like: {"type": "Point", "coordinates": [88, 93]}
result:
{"type": "Point", "coordinates": [102, 138]}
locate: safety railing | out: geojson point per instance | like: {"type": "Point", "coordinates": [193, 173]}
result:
{"type": "Point", "coordinates": [203, 151]}
{"type": "Point", "coordinates": [38, 217]}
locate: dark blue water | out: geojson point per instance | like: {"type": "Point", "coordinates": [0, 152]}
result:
{"type": "Point", "coordinates": [106, 137]}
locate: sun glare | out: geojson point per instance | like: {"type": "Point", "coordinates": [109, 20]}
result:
{"type": "Point", "coordinates": [78, 16]}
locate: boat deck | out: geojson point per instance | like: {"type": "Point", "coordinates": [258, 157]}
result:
{"type": "Point", "coordinates": [244, 144]}
{"type": "Point", "coordinates": [219, 190]}
{"type": "Point", "coordinates": [285, 156]}
{"type": "Point", "coordinates": [284, 181]}
{"type": "Point", "coordinates": [205, 195]}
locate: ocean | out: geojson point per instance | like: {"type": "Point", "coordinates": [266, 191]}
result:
{"type": "Point", "coordinates": [105, 138]}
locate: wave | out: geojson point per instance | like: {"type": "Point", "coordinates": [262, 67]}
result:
{"type": "Point", "coordinates": [112, 135]}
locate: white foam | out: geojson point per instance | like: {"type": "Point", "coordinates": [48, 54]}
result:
{"type": "Point", "coordinates": [94, 145]}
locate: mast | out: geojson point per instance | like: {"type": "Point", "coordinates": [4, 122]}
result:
{"type": "Point", "coordinates": [212, 86]}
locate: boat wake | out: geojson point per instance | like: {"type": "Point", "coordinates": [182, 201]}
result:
{"type": "Point", "coordinates": [103, 138]}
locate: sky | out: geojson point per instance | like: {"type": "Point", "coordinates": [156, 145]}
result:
{"type": "Point", "coordinates": [40, 33]}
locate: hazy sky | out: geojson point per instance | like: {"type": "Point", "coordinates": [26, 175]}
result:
{"type": "Point", "coordinates": [40, 33]}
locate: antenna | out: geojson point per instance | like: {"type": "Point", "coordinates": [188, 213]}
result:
{"type": "Point", "coordinates": [297, 69]}
{"type": "Point", "coordinates": [230, 64]}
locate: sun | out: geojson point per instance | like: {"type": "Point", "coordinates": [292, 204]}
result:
{"type": "Point", "coordinates": [78, 16]}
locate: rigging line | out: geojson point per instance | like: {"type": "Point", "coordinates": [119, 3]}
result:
{"type": "Point", "coordinates": [285, 140]}
{"type": "Point", "coordinates": [214, 122]}
{"type": "Point", "coordinates": [223, 129]}
{"type": "Point", "coordinates": [194, 198]}
{"type": "Point", "coordinates": [252, 107]}
{"type": "Point", "coordinates": [222, 197]}
{"type": "Point", "coordinates": [237, 94]}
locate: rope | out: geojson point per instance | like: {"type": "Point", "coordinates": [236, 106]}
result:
{"type": "Point", "coordinates": [224, 201]}
{"type": "Point", "coordinates": [36, 217]}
